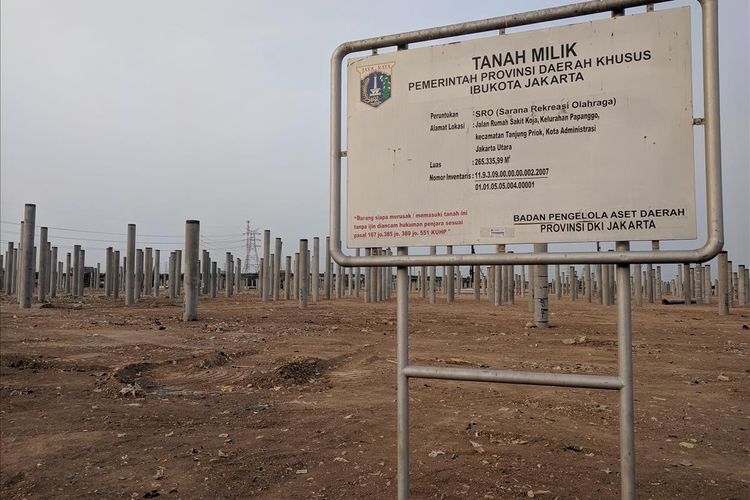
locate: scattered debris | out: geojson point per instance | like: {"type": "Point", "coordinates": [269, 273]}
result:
{"type": "Point", "coordinates": [477, 447]}
{"type": "Point", "coordinates": [133, 389]}
{"type": "Point", "coordinates": [687, 445]}
{"type": "Point", "coordinates": [159, 473]}
{"type": "Point", "coordinates": [435, 453]}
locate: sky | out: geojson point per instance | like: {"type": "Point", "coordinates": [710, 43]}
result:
{"type": "Point", "coordinates": [116, 112]}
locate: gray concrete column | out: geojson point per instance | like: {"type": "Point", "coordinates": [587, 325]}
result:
{"type": "Point", "coordinates": [598, 271]}
{"type": "Point", "coordinates": [511, 283]}
{"type": "Point", "coordinates": [532, 288]}
{"type": "Point", "coordinates": [82, 272]}
{"type": "Point", "coordinates": [423, 282]}
{"type": "Point", "coordinates": [138, 273]}
{"type": "Point", "coordinates": [214, 280]}
{"type": "Point", "coordinates": [288, 279]}
{"type": "Point", "coordinates": [741, 286]}
{"type": "Point", "coordinates": [350, 282]}
{"type": "Point", "coordinates": [659, 291]}
{"type": "Point", "coordinates": [523, 281]}
{"type": "Point", "coordinates": [649, 283]}
{"type": "Point", "coordinates": [266, 265]}
{"type": "Point", "coordinates": [688, 292]}
{"type": "Point", "coordinates": [26, 288]}
{"type": "Point", "coordinates": [76, 270]}
{"type": "Point", "coordinates": [16, 271]}
{"type": "Point", "coordinates": [698, 277]}
{"type": "Point", "coordinates": [450, 291]}
{"type": "Point", "coordinates": [558, 282]}
{"type": "Point", "coordinates": [178, 271]}
{"type": "Point", "coordinates": [637, 286]}
{"type": "Point", "coordinates": [157, 272]}
{"type": "Point", "coordinates": [498, 284]}
{"type": "Point", "coordinates": [605, 284]}
{"type": "Point", "coordinates": [261, 276]}
{"type": "Point", "coordinates": [53, 276]}
{"type": "Point", "coordinates": [116, 274]}
{"type": "Point", "coordinates": [19, 264]}
{"type": "Point", "coordinates": [378, 281]}
{"type": "Point", "coordinates": [295, 268]}
{"type": "Point", "coordinates": [108, 268]}
{"type": "Point", "coordinates": [730, 284]}
{"type": "Point", "coordinates": [148, 277]}
{"type": "Point", "coordinates": [367, 278]}
{"type": "Point", "coordinates": [228, 274]}
{"type": "Point", "coordinates": [238, 275]}
{"type": "Point", "coordinates": [327, 271]}
{"type": "Point", "coordinates": [172, 275]}
{"type": "Point", "coordinates": [339, 281]}
{"type": "Point", "coordinates": [573, 284]}
{"type": "Point", "coordinates": [315, 270]}
{"type": "Point", "coordinates": [707, 291]}
{"type": "Point", "coordinates": [723, 285]}
{"type": "Point", "coordinates": [277, 269]}
{"type": "Point", "coordinates": [303, 274]}
{"type": "Point", "coordinates": [60, 274]}
{"type": "Point", "coordinates": [356, 281]}
{"type": "Point", "coordinates": [433, 277]}
{"type": "Point", "coordinates": [68, 273]}
{"type": "Point", "coordinates": [43, 268]}
{"type": "Point", "coordinates": [541, 290]}
{"type": "Point", "coordinates": [587, 282]}
{"type": "Point", "coordinates": [130, 267]}
{"type": "Point", "coordinates": [205, 273]}
{"type": "Point", "coordinates": [192, 278]}
{"type": "Point", "coordinates": [9, 264]}
{"type": "Point", "coordinates": [476, 283]}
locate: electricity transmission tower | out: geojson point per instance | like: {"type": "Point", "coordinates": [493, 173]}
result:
{"type": "Point", "coordinates": [252, 261]}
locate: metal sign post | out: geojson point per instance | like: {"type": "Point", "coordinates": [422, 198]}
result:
{"type": "Point", "coordinates": [376, 91]}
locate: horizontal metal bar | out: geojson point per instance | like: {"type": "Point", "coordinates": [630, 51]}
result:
{"type": "Point", "coordinates": [513, 377]}
{"type": "Point", "coordinates": [493, 23]}
{"type": "Point", "coordinates": [632, 257]}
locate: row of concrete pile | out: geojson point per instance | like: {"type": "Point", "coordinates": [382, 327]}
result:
{"type": "Point", "coordinates": [29, 267]}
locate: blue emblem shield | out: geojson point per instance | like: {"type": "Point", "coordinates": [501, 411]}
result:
{"type": "Point", "coordinates": [375, 88]}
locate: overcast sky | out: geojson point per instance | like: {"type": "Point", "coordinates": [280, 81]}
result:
{"type": "Point", "coordinates": [149, 112]}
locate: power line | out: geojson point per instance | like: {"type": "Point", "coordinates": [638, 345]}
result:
{"type": "Point", "coordinates": [125, 234]}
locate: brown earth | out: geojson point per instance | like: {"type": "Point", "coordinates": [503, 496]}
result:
{"type": "Point", "coordinates": [266, 400]}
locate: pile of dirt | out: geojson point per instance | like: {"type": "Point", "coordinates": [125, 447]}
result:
{"type": "Point", "coordinates": [302, 371]}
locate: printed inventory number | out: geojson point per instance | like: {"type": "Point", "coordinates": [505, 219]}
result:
{"type": "Point", "coordinates": [510, 173]}
{"type": "Point", "coordinates": [492, 186]}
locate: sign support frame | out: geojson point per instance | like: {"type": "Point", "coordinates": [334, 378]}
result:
{"type": "Point", "coordinates": [622, 257]}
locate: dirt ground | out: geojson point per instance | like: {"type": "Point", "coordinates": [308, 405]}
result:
{"type": "Point", "coordinates": [266, 400]}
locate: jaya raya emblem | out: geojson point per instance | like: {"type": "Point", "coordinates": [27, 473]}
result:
{"type": "Point", "coordinates": [375, 84]}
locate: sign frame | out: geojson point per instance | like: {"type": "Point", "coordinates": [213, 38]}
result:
{"type": "Point", "coordinates": [714, 205]}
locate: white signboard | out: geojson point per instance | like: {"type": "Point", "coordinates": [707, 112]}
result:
{"type": "Point", "coordinates": [576, 133]}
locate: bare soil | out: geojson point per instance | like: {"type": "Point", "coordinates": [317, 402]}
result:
{"type": "Point", "coordinates": [266, 400]}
